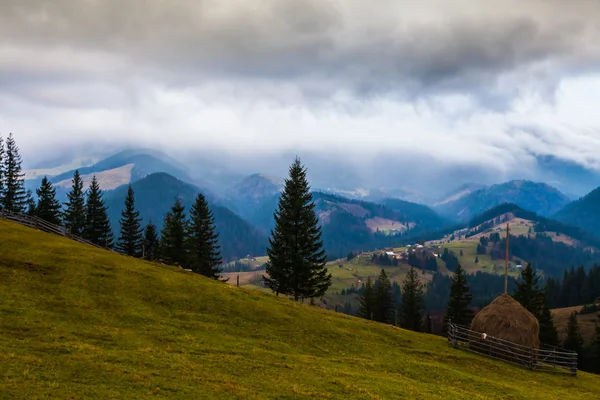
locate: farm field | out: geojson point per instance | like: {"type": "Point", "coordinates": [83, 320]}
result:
{"type": "Point", "coordinates": [81, 322]}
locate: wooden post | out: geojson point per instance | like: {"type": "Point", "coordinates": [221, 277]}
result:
{"type": "Point", "coordinates": [506, 268]}
{"type": "Point", "coordinates": [238, 280]}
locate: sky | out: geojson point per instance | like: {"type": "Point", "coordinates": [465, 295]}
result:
{"type": "Point", "coordinates": [456, 83]}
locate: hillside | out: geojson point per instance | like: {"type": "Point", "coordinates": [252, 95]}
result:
{"type": "Point", "coordinates": [583, 213]}
{"type": "Point", "coordinates": [80, 322]}
{"type": "Point", "coordinates": [154, 196]}
{"type": "Point", "coordinates": [534, 196]}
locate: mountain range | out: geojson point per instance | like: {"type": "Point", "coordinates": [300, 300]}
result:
{"type": "Point", "coordinates": [352, 219]}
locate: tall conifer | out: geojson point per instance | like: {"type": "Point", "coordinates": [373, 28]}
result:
{"type": "Point", "coordinates": [14, 196]}
{"type": "Point", "coordinates": [574, 341]}
{"type": "Point", "coordinates": [173, 247]}
{"type": "Point", "coordinates": [2, 177]}
{"type": "Point", "coordinates": [384, 299]}
{"type": "Point", "coordinates": [151, 242]}
{"type": "Point", "coordinates": [458, 310]}
{"type": "Point", "coordinates": [74, 215]}
{"type": "Point", "coordinates": [47, 208]}
{"type": "Point", "coordinates": [297, 259]}
{"type": "Point", "coordinates": [97, 226]}
{"type": "Point", "coordinates": [130, 238]}
{"type": "Point", "coordinates": [411, 308]}
{"type": "Point", "coordinates": [205, 256]}
{"type": "Point", "coordinates": [30, 203]}
{"type": "Point", "coordinates": [368, 301]}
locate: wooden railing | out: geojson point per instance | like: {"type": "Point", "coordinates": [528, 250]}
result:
{"type": "Point", "coordinates": [547, 358]}
{"type": "Point", "coordinates": [42, 225]}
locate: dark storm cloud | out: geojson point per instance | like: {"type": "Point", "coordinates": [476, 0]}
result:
{"type": "Point", "coordinates": [398, 48]}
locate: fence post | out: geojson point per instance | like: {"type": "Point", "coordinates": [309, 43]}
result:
{"type": "Point", "coordinates": [574, 364]}
{"type": "Point", "coordinates": [238, 280]}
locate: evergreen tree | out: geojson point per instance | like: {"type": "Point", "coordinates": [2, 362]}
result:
{"type": "Point", "coordinates": [74, 215]}
{"type": "Point", "coordinates": [574, 341]}
{"type": "Point", "coordinates": [428, 324]}
{"type": "Point", "coordinates": [48, 208]}
{"type": "Point", "coordinates": [384, 300]}
{"type": "Point", "coordinates": [411, 308]}
{"type": "Point", "coordinates": [130, 238]}
{"type": "Point", "coordinates": [458, 310]}
{"type": "Point", "coordinates": [533, 299]}
{"type": "Point", "coordinates": [597, 347]}
{"type": "Point", "coordinates": [13, 196]}
{"type": "Point", "coordinates": [368, 301]}
{"type": "Point", "coordinates": [151, 242]}
{"type": "Point", "coordinates": [205, 257]}
{"type": "Point", "coordinates": [297, 259]}
{"type": "Point", "coordinates": [173, 235]}
{"type": "Point", "coordinates": [30, 204]}
{"type": "Point", "coordinates": [97, 226]}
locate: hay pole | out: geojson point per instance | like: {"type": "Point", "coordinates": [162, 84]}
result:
{"type": "Point", "coordinates": [506, 267]}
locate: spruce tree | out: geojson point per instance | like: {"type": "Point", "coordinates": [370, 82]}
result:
{"type": "Point", "coordinates": [574, 341]}
{"type": "Point", "coordinates": [97, 226]}
{"type": "Point", "coordinates": [532, 298]}
{"type": "Point", "coordinates": [458, 310]}
{"type": "Point", "coordinates": [384, 300]}
{"type": "Point", "coordinates": [130, 238]}
{"type": "Point", "coordinates": [151, 242]}
{"type": "Point", "coordinates": [30, 204]}
{"type": "Point", "coordinates": [173, 236]}
{"type": "Point", "coordinates": [74, 214]}
{"type": "Point", "coordinates": [297, 259]}
{"type": "Point", "coordinates": [411, 308]}
{"type": "Point", "coordinates": [368, 301]}
{"type": "Point", "coordinates": [47, 208]}
{"type": "Point", "coordinates": [597, 347]}
{"type": "Point", "coordinates": [205, 256]}
{"type": "Point", "coordinates": [14, 196]}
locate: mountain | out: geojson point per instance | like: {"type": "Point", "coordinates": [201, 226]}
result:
{"type": "Point", "coordinates": [81, 322]}
{"type": "Point", "coordinates": [537, 197]}
{"type": "Point", "coordinates": [458, 193]}
{"type": "Point", "coordinates": [254, 198]}
{"type": "Point", "coordinates": [154, 196]}
{"type": "Point", "coordinates": [129, 166]}
{"type": "Point", "coordinates": [422, 215]}
{"type": "Point", "coordinates": [584, 213]}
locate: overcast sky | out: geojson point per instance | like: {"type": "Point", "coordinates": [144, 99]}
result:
{"type": "Point", "coordinates": [497, 84]}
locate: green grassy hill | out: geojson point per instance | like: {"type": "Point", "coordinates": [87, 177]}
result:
{"type": "Point", "coordinates": [79, 322]}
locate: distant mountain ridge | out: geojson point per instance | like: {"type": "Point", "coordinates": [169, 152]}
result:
{"type": "Point", "coordinates": [538, 197]}
{"type": "Point", "coordinates": [584, 212]}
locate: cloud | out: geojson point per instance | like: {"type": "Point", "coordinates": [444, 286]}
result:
{"type": "Point", "coordinates": [495, 84]}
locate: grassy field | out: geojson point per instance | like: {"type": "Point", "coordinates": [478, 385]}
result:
{"type": "Point", "coordinates": [485, 262]}
{"type": "Point", "coordinates": [78, 322]}
{"type": "Point", "coordinates": [587, 323]}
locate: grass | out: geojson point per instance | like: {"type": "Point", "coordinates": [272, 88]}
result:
{"type": "Point", "coordinates": [467, 260]}
{"type": "Point", "coordinates": [79, 322]}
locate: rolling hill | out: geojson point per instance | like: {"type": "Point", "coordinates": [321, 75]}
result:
{"type": "Point", "coordinates": [584, 213]}
{"type": "Point", "coordinates": [154, 196]}
{"type": "Point", "coordinates": [80, 322]}
{"type": "Point", "coordinates": [537, 197]}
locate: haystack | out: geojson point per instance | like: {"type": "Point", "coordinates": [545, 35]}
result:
{"type": "Point", "coordinates": [505, 318]}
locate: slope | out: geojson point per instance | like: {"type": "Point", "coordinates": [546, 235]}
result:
{"type": "Point", "coordinates": [583, 213]}
{"type": "Point", "coordinates": [79, 322]}
{"type": "Point", "coordinates": [537, 197]}
{"type": "Point", "coordinates": [155, 195]}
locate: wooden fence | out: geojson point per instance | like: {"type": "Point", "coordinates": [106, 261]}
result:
{"type": "Point", "coordinates": [548, 358]}
{"type": "Point", "coordinates": [42, 225]}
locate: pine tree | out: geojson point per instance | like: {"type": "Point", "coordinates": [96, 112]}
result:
{"type": "Point", "coordinates": [30, 204]}
{"type": "Point", "coordinates": [205, 256]}
{"type": "Point", "coordinates": [48, 208]}
{"type": "Point", "coordinates": [297, 259]}
{"type": "Point", "coordinates": [14, 197]}
{"type": "Point", "coordinates": [368, 301]}
{"type": "Point", "coordinates": [411, 308]}
{"type": "Point", "coordinates": [130, 238]}
{"type": "Point", "coordinates": [97, 226]}
{"type": "Point", "coordinates": [533, 299]}
{"type": "Point", "coordinates": [458, 310]}
{"type": "Point", "coordinates": [597, 347]}
{"type": "Point", "coordinates": [574, 341]}
{"type": "Point", "coordinates": [173, 236]}
{"type": "Point", "coordinates": [384, 302]}
{"type": "Point", "coordinates": [74, 215]}
{"type": "Point", "coordinates": [151, 242]}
